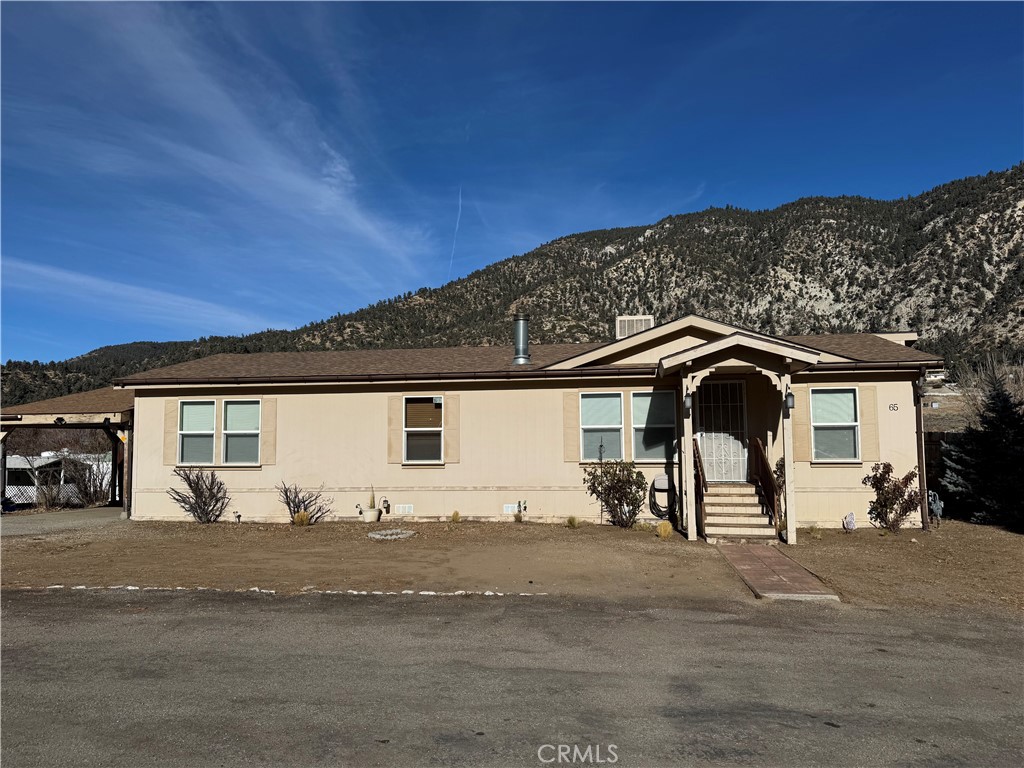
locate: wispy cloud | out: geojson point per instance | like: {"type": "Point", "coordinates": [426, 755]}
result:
{"type": "Point", "coordinates": [455, 237]}
{"type": "Point", "coordinates": [184, 314]}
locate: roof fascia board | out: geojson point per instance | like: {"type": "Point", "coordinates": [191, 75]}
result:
{"type": "Point", "coordinates": [647, 371]}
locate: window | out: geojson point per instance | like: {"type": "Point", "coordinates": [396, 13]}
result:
{"type": "Point", "coordinates": [241, 431]}
{"type": "Point", "coordinates": [195, 432]}
{"type": "Point", "coordinates": [835, 424]}
{"type": "Point", "coordinates": [601, 426]}
{"type": "Point", "coordinates": [654, 426]}
{"type": "Point", "coordinates": [424, 422]}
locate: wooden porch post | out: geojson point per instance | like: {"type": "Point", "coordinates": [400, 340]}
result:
{"type": "Point", "coordinates": [126, 483]}
{"type": "Point", "coordinates": [787, 453]}
{"type": "Point", "coordinates": [686, 459]}
{"type": "Point", "coordinates": [3, 466]}
{"type": "Point", "coordinates": [113, 465]}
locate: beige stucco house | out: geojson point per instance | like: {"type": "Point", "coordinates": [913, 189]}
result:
{"type": "Point", "coordinates": [709, 407]}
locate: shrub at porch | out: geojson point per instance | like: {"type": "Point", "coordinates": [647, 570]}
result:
{"type": "Point", "coordinates": [620, 488]}
{"type": "Point", "coordinates": [304, 507]}
{"type": "Point", "coordinates": [895, 499]}
{"type": "Point", "coordinates": [205, 497]}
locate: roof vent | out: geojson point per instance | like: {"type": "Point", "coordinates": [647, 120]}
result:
{"type": "Point", "coordinates": [521, 334]}
{"type": "Point", "coordinates": [628, 325]}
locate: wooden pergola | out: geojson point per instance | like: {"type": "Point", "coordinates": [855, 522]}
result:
{"type": "Point", "coordinates": [109, 410]}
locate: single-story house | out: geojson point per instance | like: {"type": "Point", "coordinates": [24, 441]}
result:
{"type": "Point", "coordinates": [707, 410]}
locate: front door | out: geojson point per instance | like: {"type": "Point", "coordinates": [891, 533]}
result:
{"type": "Point", "coordinates": [722, 430]}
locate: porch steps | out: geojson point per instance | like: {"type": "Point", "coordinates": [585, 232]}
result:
{"type": "Point", "coordinates": [733, 511]}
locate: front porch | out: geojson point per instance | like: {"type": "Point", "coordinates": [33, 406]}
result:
{"type": "Point", "coordinates": [736, 399]}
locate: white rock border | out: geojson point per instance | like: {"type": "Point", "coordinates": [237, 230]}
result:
{"type": "Point", "coordinates": [303, 591]}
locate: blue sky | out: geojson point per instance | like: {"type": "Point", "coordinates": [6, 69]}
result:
{"type": "Point", "coordinates": [178, 170]}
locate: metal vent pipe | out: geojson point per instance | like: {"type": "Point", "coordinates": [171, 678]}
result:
{"type": "Point", "coordinates": [522, 338]}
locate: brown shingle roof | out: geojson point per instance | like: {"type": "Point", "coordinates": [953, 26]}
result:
{"type": "Point", "coordinates": [105, 400]}
{"type": "Point", "coordinates": [419, 363]}
{"type": "Point", "coordinates": [864, 347]}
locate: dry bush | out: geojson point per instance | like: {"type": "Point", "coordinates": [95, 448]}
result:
{"type": "Point", "coordinates": [895, 499]}
{"type": "Point", "coordinates": [573, 522]}
{"type": "Point", "coordinates": [456, 517]}
{"type": "Point", "coordinates": [518, 517]}
{"type": "Point", "coordinates": [91, 480]}
{"type": "Point", "coordinates": [206, 496]}
{"type": "Point", "coordinates": [304, 507]}
{"type": "Point", "coordinates": [620, 488]}
{"type": "Point", "coordinates": [665, 530]}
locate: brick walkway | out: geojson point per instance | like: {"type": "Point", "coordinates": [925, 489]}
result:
{"type": "Point", "coordinates": [771, 574]}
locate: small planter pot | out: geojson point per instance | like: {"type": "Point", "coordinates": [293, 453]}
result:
{"type": "Point", "coordinates": [370, 515]}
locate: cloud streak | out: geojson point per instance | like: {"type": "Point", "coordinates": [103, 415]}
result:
{"type": "Point", "coordinates": [455, 237]}
{"type": "Point", "coordinates": [170, 310]}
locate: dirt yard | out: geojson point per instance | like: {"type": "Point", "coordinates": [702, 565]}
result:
{"type": "Point", "coordinates": [958, 564]}
{"type": "Point", "coordinates": [502, 557]}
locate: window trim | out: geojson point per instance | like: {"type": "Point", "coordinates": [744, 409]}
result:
{"type": "Point", "coordinates": [181, 433]}
{"type": "Point", "coordinates": [225, 433]}
{"type": "Point", "coordinates": [673, 426]}
{"type": "Point", "coordinates": [858, 459]}
{"type": "Point", "coordinates": [621, 426]}
{"type": "Point", "coordinates": [406, 430]}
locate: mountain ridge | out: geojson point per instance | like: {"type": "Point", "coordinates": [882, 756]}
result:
{"type": "Point", "coordinates": [948, 263]}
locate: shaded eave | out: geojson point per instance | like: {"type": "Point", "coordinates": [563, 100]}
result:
{"type": "Point", "coordinates": [371, 378]}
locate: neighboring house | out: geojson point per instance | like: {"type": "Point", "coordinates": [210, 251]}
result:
{"type": "Point", "coordinates": [29, 478]}
{"type": "Point", "coordinates": [481, 429]}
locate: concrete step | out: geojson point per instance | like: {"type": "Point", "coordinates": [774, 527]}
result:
{"type": "Point", "coordinates": [733, 531]}
{"type": "Point", "coordinates": [730, 490]}
{"type": "Point", "coordinates": [732, 501]}
{"type": "Point", "coordinates": [736, 519]}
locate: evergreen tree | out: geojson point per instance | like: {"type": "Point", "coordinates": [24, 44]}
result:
{"type": "Point", "coordinates": [983, 466]}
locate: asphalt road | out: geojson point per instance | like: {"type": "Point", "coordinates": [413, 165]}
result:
{"type": "Point", "coordinates": [191, 679]}
{"type": "Point", "coordinates": [59, 520]}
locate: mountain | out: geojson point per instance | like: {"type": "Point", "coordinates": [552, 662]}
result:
{"type": "Point", "coordinates": [948, 263]}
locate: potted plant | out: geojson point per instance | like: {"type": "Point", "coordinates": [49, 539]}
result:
{"type": "Point", "coordinates": [372, 513]}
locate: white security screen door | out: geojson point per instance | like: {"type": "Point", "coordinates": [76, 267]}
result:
{"type": "Point", "coordinates": [722, 430]}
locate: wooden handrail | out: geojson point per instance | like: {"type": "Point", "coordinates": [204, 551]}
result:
{"type": "Point", "coordinates": [764, 477]}
{"type": "Point", "coordinates": [701, 486]}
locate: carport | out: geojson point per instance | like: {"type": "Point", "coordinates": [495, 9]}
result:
{"type": "Point", "coordinates": [106, 409]}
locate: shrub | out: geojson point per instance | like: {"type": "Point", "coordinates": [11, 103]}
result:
{"type": "Point", "coordinates": [982, 466]}
{"type": "Point", "coordinates": [205, 497]}
{"type": "Point", "coordinates": [304, 507]}
{"type": "Point", "coordinates": [665, 530]}
{"type": "Point", "coordinates": [573, 522]}
{"type": "Point", "coordinates": [518, 517]}
{"type": "Point", "coordinates": [895, 500]}
{"type": "Point", "coordinates": [456, 517]}
{"type": "Point", "coordinates": [620, 488]}
{"type": "Point", "coordinates": [91, 480]}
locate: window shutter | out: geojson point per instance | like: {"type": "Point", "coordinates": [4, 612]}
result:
{"type": "Point", "coordinates": [801, 424]}
{"type": "Point", "coordinates": [868, 397]}
{"type": "Point", "coordinates": [395, 429]}
{"type": "Point", "coordinates": [268, 431]}
{"type": "Point", "coordinates": [451, 429]}
{"type": "Point", "coordinates": [170, 432]}
{"type": "Point", "coordinates": [571, 426]}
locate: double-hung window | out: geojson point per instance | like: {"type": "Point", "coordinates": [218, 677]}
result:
{"type": "Point", "coordinates": [241, 431]}
{"type": "Point", "coordinates": [654, 426]}
{"type": "Point", "coordinates": [835, 424]}
{"type": "Point", "coordinates": [196, 423]}
{"type": "Point", "coordinates": [423, 429]}
{"type": "Point", "coordinates": [601, 426]}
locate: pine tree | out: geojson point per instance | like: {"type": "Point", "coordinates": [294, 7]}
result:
{"type": "Point", "coordinates": [983, 466]}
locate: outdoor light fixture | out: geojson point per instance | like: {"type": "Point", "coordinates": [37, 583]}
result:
{"type": "Point", "coordinates": [687, 401]}
{"type": "Point", "coordinates": [790, 400]}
